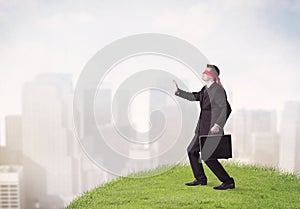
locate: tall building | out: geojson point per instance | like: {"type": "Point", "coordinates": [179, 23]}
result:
{"type": "Point", "coordinates": [11, 153]}
{"type": "Point", "coordinates": [265, 149]}
{"type": "Point", "coordinates": [47, 138]}
{"type": "Point", "coordinates": [239, 133]}
{"type": "Point", "coordinates": [289, 137]}
{"type": "Point", "coordinates": [1, 134]}
{"type": "Point", "coordinates": [13, 131]}
{"type": "Point", "coordinates": [248, 129]}
{"type": "Point", "coordinates": [11, 187]}
{"type": "Point", "coordinates": [297, 147]}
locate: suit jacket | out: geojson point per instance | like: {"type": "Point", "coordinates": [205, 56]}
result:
{"type": "Point", "coordinates": [214, 107]}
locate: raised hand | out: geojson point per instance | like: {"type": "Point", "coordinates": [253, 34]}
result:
{"type": "Point", "coordinates": [175, 84]}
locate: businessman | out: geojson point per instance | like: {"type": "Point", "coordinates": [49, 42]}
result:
{"type": "Point", "coordinates": [215, 111]}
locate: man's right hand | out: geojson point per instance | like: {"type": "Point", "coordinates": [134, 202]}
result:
{"type": "Point", "coordinates": [175, 85]}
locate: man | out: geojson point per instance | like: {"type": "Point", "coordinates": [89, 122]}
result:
{"type": "Point", "coordinates": [215, 111]}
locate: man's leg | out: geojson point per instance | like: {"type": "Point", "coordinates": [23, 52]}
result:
{"type": "Point", "coordinates": [196, 164]}
{"type": "Point", "coordinates": [217, 168]}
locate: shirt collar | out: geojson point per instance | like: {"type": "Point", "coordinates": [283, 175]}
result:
{"type": "Point", "coordinates": [209, 84]}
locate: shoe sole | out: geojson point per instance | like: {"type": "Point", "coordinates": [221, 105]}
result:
{"type": "Point", "coordinates": [196, 185]}
{"type": "Point", "coordinates": [225, 189]}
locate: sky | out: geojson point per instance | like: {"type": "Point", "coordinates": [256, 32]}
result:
{"type": "Point", "coordinates": [256, 44]}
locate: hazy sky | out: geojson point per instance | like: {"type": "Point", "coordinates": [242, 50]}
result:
{"type": "Point", "coordinates": [256, 44]}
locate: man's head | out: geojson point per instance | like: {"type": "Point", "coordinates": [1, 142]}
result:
{"type": "Point", "coordinates": [212, 68]}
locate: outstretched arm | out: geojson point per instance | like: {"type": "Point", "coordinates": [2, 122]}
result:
{"type": "Point", "coordinates": [191, 96]}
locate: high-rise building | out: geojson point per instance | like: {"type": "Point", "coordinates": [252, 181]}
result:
{"type": "Point", "coordinates": [13, 131]}
{"type": "Point", "coordinates": [265, 149]}
{"type": "Point", "coordinates": [239, 133]}
{"type": "Point", "coordinates": [2, 137]}
{"type": "Point", "coordinates": [46, 137]}
{"type": "Point", "coordinates": [248, 127]}
{"type": "Point", "coordinates": [297, 147]}
{"type": "Point", "coordinates": [11, 187]}
{"type": "Point", "coordinates": [11, 153]}
{"type": "Point", "coordinates": [289, 137]}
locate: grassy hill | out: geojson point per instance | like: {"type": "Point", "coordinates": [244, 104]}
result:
{"type": "Point", "coordinates": [256, 187]}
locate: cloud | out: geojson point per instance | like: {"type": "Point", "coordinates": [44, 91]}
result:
{"type": "Point", "coordinates": [239, 36]}
{"type": "Point", "coordinates": [258, 63]}
{"type": "Point", "coordinates": [62, 20]}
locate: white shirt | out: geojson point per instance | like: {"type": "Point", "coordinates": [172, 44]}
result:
{"type": "Point", "coordinates": [209, 83]}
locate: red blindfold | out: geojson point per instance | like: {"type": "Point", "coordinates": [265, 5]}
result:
{"type": "Point", "coordinates": [211, 74]}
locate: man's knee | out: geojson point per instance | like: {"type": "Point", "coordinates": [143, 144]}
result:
{"type": "Point", "coordinates": [208, 161]}
{"type": "Point", "coordinates": [189, 151]}
{"type": "Point", "coordinates": [192, 152]}
{"type": "Point", "coordinates": [193, 146]}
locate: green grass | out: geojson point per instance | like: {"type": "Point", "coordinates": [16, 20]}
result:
{"type": "Point", "coordinates": [256, 187]}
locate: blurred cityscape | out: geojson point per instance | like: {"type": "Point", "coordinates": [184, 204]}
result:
{"type": "Point", "coordinates": [42, 164]}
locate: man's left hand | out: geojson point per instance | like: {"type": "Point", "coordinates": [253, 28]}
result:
{"type": "Point", "coordinates": [215, 129]}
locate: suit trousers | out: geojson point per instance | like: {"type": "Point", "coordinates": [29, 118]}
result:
{"type": "Point", "coordinates": [196, 163]}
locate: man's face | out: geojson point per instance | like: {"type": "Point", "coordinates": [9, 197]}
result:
{"type": "Point", "coordinates": [206, 77]}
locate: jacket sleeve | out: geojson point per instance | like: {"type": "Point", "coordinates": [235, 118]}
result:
{"type": "Point", "coordinates": [221, 101]}
{"type": "Point", "coordinates": [191, 96]}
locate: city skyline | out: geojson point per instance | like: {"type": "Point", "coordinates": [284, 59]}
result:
{"type": "Point", "coordinates": [39, 129]}
{"type": "Point", "coordinates": [63, 133]}
{"type": "Point", "coordinates": [248, 60]}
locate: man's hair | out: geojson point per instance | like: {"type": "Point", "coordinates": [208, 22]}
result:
{"type": "Point", "coordinates": [214, 68]}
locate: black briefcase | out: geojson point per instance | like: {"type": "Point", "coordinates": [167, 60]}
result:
{"type": "Point", "coordinates": [215, 147]}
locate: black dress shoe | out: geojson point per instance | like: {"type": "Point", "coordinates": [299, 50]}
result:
{"type": "Point", "coordinates": [226, 185]}
{"type": "Point", "coordinates": [197, 182]}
